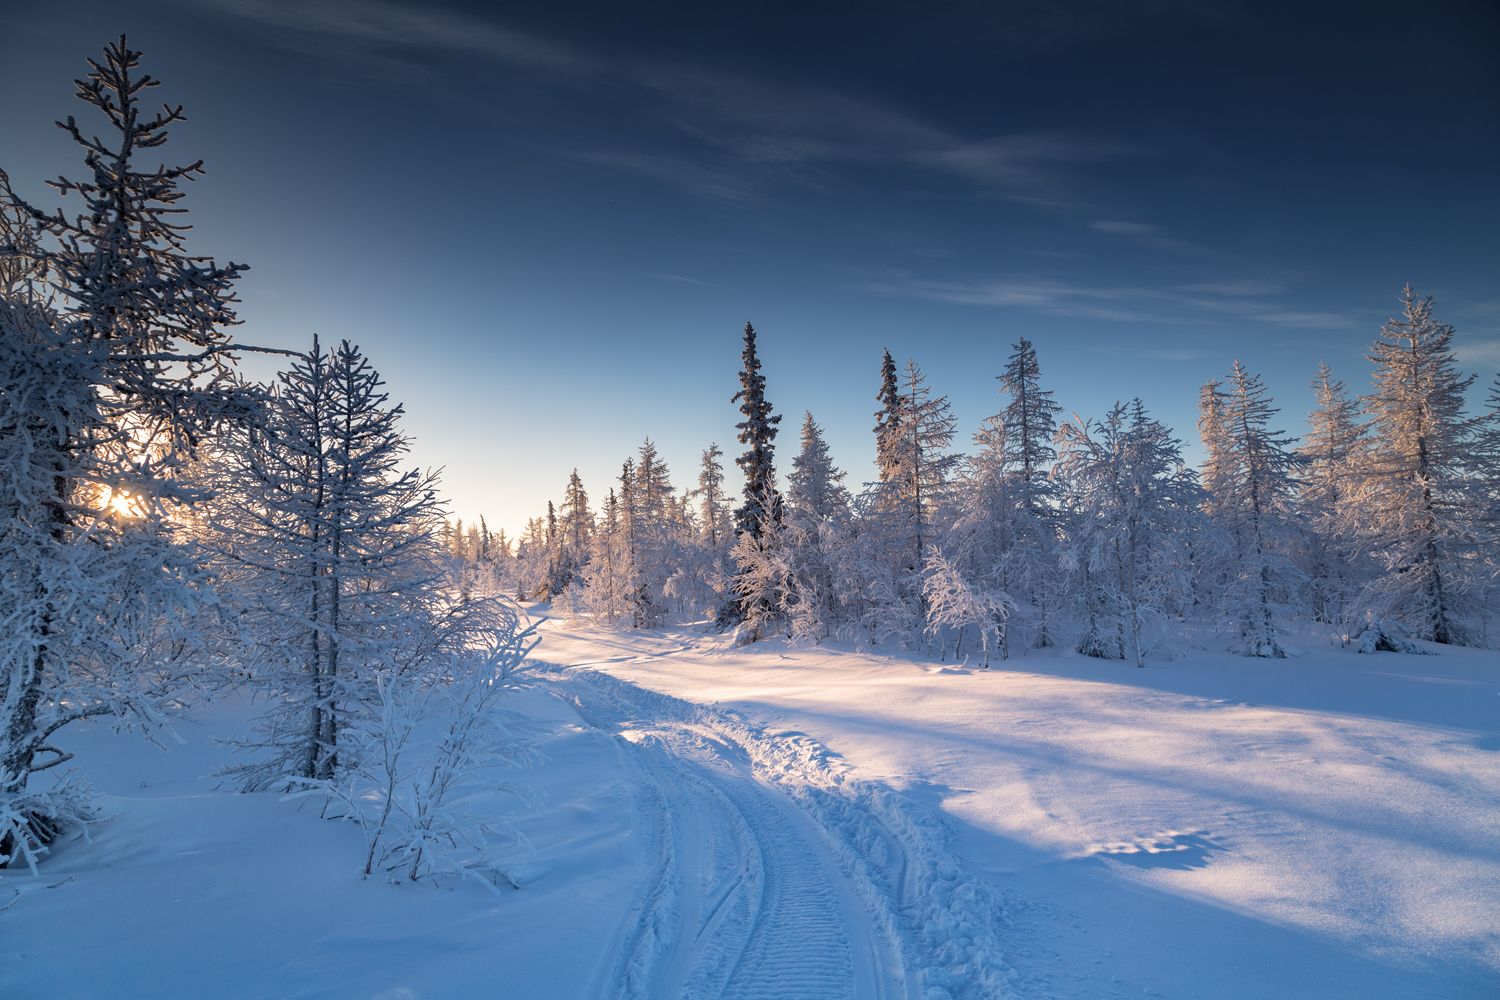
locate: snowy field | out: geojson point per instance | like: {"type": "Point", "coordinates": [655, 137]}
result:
{"type": "Point", "coordinates": [781, 822]}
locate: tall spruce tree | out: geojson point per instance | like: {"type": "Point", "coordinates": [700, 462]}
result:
{"type": "Point", "coordinates": [1255, 505]}
{"type": "Point", "coordinates": [1030, 419]}
{"type": "Point", "coordinates": [761, 507]}
{"type": "Point", "coordinates": [815, 490]}
{"type": "Point", "coordinates": [887, 418]}
{"type": "Point", "coordinates": [1417, 499]}
{"type": "Point", "coordinates": [817, 527]}
{"type": "Point", "coordinates": [923, 465]}
{"type": "Point", "coordinates": [1030, 425]}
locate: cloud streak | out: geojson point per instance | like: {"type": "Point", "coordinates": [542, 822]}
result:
{"type": "Point", "coordinates": [1210, 304]}
{"type": "Point", "coordinates": [379, 25]}
{"type": "Point", "coordinates": [743, 134]}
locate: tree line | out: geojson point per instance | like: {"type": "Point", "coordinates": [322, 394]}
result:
{"type": "Point", "coordinates": [1093, 532]}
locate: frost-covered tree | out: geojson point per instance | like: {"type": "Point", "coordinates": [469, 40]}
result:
{"type": "Point", "coordinates": [762, 584]}
{"type": "Point", "coordinates": [1131, 513]}
{"type": "Point", "coordinates": [815, 486]}
{"type": "Point", "coordinates": [336, 551]}
{"type": "Point", "coordinates": [20, 248]}
{"type": "Point", "coordinates": [1253, 506]}
{"type": "Point", "coordinates": [97, 603]}
{"type": "Point", "coordinates": [606, 592]}
{"type": "Point", "coordinates": [922, 464]}
{"type": "Point", "coordinates": [1331, 453]}
{"type": "Point", "coordinates": [957, 604]}
{"type": "Point", "coordinates": [428, 735]}
{"type": "Point", "coordinates": [713, 507]}
{"type": "Point", "coordinates": [1416, 502]}
{"type": "Point", "coordinates": [121, 262]}
{"type": "Point", "coordinates": [1030, 423]}
{"type": "Point", "coordinates": [818, 526]}
{"type": "Point", "coordinates": [570, 542]}
{"type": "Point", "coordinates": [105, 389]}
{"type": "Point", "coordinates": [660, 536]}
{"type": "Point", "coordinates": [887, 418]}
{"type": "Point", "coordinates": [994, 546]}
{"type": "Point", "coordinates": [902, 512]}
{"type": "Point", "coordinates": [762, 502]}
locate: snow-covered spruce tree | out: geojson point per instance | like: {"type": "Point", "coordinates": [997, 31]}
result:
{"type": "Point", "coordinates": [606, 592]}
{"type": "Point", "coordinates": [1215, 555]}
{"type": "Point", "coordinates": [713, 508]}
{"type": "Point", "coordinates": [915, 486]}
{"type": "Point", "coordinates": [762, 584]}
{"type": "Point", "coordinates": [1254, 506]}
{"type": "Point", "coordinates": [337, 552]}
{"type": "Point", "coordinates": [887, 419]}
{"type": "Point", "coordinates": [1131, 512]}
{"type": "Point", "coordinates": [818, 526]}
{"type": "Point", "coordinates": [1416, 503]}
{"type": "Point", "coordinates": [981, 554]}
{"type": "Point", "coordinates": [531, 561]}
{"type": "Point", "coordinates": [554, 576]}
{"type": "Point", "coordinates": [661, 540]}
{"type": "Point", "coordinates": [577, 527]}
{"type": "Point", "coordinates": [104, 392]}
{"type": "Point", "coordinates": [1330, 454]}
{"type": "Point", "coordinates": [1030, 425]}
{"type": "Point", "coordinates": [627, 567]}
{"type": "Point", "coordinates": [1030, 419]}
{"type": "Point", "coordinates": [762, 503]}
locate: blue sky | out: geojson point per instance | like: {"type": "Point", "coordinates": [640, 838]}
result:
{"type": "Point", "coordinates": [548, 224]}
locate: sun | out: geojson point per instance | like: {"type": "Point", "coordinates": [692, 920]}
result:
{"type": "Point", "coordinates": [124, 504]}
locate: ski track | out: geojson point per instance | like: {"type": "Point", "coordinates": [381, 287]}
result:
{"type": "Point", "coordinates": [778, 874]}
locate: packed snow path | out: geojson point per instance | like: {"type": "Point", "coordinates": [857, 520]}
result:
{"type": "Point", "coordinates": [779, 876]}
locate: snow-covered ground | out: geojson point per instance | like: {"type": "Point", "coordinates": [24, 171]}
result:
{"type": "Point", "coordinates": [1322, 826]}
{"type": "Point", "coordinates": [778, 822]}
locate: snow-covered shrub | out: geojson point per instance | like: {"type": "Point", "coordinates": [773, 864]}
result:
{"type": "Point", "coordinates": [416, 754]}
{"type": "Point", "coordinates": [955, 603]}
{"type": "Point", "coordinates": [1384, 635]}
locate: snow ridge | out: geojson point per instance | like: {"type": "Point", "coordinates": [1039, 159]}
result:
{"type": "Point", "coordinates": [936, 931]}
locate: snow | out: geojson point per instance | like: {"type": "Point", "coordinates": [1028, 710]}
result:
{"type": "Point", "coordinates": [772, 821]}
{"type": "Point", "coordinates": [1326, 825]}
{"type": "Point", "coordinates": [193, 891]}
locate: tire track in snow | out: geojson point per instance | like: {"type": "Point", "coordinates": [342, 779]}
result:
{"type": "Point", "coordinates": [782, 875]}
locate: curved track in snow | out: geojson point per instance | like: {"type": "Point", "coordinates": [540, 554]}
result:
{"type": "Point", "coordinates": [777, 875]}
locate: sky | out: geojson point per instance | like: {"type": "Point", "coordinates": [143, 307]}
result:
{"type": "Point", "coordinates": [547, 224]}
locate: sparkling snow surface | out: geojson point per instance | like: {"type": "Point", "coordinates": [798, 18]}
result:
{"type": "Point", "coordinates": [823, 823]}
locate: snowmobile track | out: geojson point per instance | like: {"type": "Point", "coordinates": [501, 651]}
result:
{"type": "Point", "coordinates": [777, 876]}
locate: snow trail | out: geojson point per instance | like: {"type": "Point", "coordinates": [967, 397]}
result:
{"type": "Point", "coordinates": [780, 874]}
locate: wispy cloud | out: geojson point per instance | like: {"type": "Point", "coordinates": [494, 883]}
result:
{"type": "Point", "coordinates": [1203, 304]}
{"type": "Point", "coordinates": [743, 133]}
{"type": "Point", "coordinates": [1147, 234]}
{"type": "Point", "coordinates": [683, 279]}
{"type": "Point", "coordinates": [1235, 287]}
{"type": "Point", "coordinates": [382, 25]}
{"type": "Point", "coordinates": [1122, 228]}
{"type": "Point", "coordinates": [1478, 352]}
